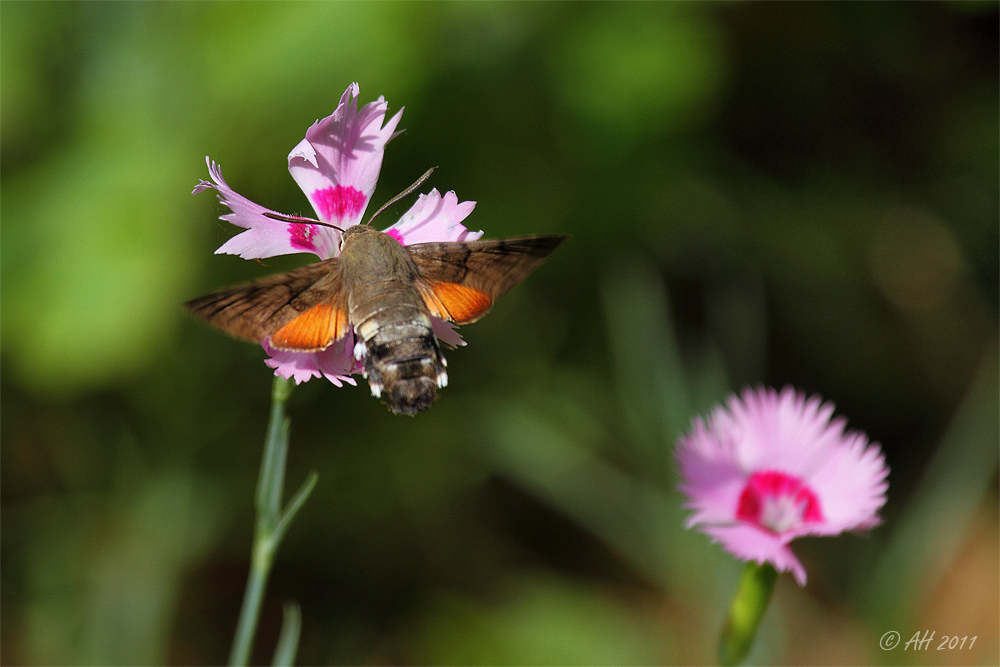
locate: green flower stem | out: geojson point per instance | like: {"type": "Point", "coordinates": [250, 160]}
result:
{"type": "Point", "coordinates": [749, 605]}
{"type": "Point", "coordinates": [288, 641]}
{"type": "Point", "coordinates": [269, 529]}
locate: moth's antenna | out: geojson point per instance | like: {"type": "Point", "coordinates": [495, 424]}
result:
{"type": "Point", "coordinates": [420, 181]}
{"type": "Point", "coordinates": [299, 220]}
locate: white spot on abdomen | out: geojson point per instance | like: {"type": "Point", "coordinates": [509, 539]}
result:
{"type": "Point", "coordinates": [368, 329]}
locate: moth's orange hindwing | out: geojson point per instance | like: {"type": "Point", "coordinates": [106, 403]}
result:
{"type": "Point", "coordinates": [313, 330]}
{"type": "Point", "coordinates": [459, 303]}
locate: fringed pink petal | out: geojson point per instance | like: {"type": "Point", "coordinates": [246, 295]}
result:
{"type": "Point", "coordinates": [336, 363]}
{"type": "Point", "coordinates": [265, 236]}
{"type": "Point", "coordinates": [434, 218]}
{"type": "Point", "coordinates": [338, 163]}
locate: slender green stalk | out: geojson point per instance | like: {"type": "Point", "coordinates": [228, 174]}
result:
{"type": "Point", "coordinates": [270, 527]}
{"type": "Point", "coordinates": [288, 640]}
{"type": "Point", "coordinates": [753, 594]}
{"type": "Point", "coordinates": [249, 615]}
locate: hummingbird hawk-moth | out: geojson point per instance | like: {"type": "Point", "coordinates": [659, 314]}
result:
{"type": "Point", "coordinates": [386, 293]}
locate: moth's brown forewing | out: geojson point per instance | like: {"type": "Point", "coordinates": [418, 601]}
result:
{"type": "Point", "coordinates": [253, 311]}
{"type": "Point", "coordinates": [467, 277]}
{"type": "Point", "coordinates": [387, 293]}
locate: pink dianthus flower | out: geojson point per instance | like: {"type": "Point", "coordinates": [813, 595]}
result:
{"type": "Point", "coordinates": [770, 467]}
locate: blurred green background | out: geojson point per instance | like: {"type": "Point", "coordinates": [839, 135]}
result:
{"type": "Point", "coordinates": [756, 193]}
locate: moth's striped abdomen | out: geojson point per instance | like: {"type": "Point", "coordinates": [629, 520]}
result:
{"type": "Point", "coordinates": [396, 343]}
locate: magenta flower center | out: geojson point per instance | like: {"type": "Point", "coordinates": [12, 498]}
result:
{"type": "Point", "coordinates": [301, 236]}
{"type": "Point", "coordinates": [778, 502]}
{"type": "Point", "coordinates": [338, 202]}
{"type": "Point", "coordinates": [394, 234]}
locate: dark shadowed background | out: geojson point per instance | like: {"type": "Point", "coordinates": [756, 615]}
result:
{"type": "Point", "coordinates": [775, 193]}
